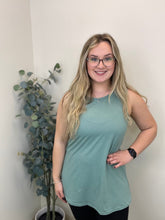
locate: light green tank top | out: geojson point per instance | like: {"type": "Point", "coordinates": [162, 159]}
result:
{"type": "Point", "coordinates": [87, 178]}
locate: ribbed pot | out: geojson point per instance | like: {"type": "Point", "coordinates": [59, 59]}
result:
{"type": "Point", "coordinates": [44, 210]}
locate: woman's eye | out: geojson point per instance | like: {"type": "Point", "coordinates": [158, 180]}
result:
{"type": "Point", "coordinates": [108, 58]}
{"type": "Point", "coordinates": [93, 59]}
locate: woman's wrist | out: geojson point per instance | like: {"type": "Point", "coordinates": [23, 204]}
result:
{"type": "Point", "coordinates": [132, 152]}
{"type": "Point", "coordinates": [57, 180]}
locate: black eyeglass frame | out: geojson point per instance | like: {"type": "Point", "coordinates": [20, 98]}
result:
{"type": "Point", "coordinates": [102, 61]}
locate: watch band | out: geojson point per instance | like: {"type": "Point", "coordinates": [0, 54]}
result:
{"type": "Point", "coordinates": [132, 152]}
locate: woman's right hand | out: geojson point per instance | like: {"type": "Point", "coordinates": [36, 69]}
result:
{"type": "Point", "coordinates": [59, 191]}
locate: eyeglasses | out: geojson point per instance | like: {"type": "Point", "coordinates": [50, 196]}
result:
{"type": "Point", "coordinates": [95, 61]}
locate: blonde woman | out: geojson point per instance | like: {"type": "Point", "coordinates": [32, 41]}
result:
{"type": "Point", "coordinates": [92, 118]}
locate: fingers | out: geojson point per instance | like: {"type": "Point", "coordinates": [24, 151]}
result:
{"type": "Point", "coordinates": [112, 159]}
{"type": "Point", "coordinates": [61, 196]}
{"type": "Point", "coordinates": [59, 192]}
{"type": "Point", "coordinates": [119, 158]}
{"type": "Point", "coordinates": [118, 165]}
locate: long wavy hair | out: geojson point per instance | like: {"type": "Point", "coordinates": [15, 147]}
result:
{"type": "Point", "coordinates": [80, 91]}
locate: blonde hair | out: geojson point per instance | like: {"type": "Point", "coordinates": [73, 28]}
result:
{"type": "Point", "coordinates": [80, 91]}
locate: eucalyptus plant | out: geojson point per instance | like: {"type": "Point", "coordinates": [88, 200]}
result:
{"type": "Point", "coordinates": [39, 121]}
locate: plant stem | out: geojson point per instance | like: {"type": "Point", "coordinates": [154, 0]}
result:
{"type": "Point", "coordinates": [48, 198]}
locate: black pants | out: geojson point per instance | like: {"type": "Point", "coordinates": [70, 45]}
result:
{"type": "Point", "coordinates": [88, 213]}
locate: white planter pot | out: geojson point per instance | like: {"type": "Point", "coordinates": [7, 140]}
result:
{"type": "Point", "coordinates": [44, 210]}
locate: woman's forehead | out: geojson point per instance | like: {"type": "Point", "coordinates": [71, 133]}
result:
{"type": "Point", "coordinates": [101, 49]}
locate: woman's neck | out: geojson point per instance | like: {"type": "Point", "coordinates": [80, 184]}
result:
{"type": "Point", "coordinates": [100, 90]}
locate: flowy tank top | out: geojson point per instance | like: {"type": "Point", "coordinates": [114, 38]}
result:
{"type": "Point", "coordinates": [87, 178]}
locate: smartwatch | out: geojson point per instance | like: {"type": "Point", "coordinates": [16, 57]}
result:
{"type": "Point", "coordinates": [132, 152]}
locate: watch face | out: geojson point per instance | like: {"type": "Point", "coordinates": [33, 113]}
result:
{"type": "Point", "coordinates": [132, 152]}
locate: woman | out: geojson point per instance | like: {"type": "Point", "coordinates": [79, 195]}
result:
{"type": "Point", "coordinates": [92, 118]}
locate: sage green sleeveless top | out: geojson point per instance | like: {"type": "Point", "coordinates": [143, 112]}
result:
{"type": "Point", "coordinates": [87, 178]}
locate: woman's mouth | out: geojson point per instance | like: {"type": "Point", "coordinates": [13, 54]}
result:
{"type": "Point", "coordinates": [100, 73]}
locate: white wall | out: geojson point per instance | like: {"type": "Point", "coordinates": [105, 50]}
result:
{"type": "Point", "coordinates": [17, 200]}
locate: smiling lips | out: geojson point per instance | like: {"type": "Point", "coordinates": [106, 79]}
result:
{"type": "Point", "coordinates": [100, 73]}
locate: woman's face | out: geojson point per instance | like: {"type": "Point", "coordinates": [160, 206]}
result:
{"type": "Point", "coordinates": [101, 73]}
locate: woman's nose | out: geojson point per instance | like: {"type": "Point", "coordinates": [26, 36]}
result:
{"type": "Point", "coordinates": [101, 64]}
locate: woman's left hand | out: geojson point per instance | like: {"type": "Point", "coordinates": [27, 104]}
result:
{"type": "Point", "coordinates": [119, 158]}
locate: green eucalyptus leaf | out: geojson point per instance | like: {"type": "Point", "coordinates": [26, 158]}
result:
{"type": "Point", "coordinates": [40, 144]}
{"type": "Point", "coordinates": [40, 101]}
{"type": "Point", "coordinates": [45, 131]}
{"type": "Point", "coordinates": [33, 103]}
{"type": "Point", "coordinates": [43, 107]}
{"type": "Point", "coordinates": [38, 161]}
{"type": "Point", "coordinates": [45, 145]}
{"type": "Point", "coordinates": [38, 171]}
{"type": "Point", "coordinates": [26, 125]}
{"type": "Point", "coordinates": [16, 87]}
{"type": "Point", "coordinates": [49, 166]}
{"type": "Point", "coordinates": [23, 84]}
{"type": "Point", "coordinates": [43, 124]}
{"type": "Point", "coordinates": [31, 97]}
{"type": "Point", "coordinates": [27, 110]}
{"type": "Point", "coordinates": [29, 74]}
{"type": "Point", "coordinates": [39, 182]}
{"type": "Point", "coordinates": [18, 115]}
{"type": "Point", "coordinates": [34, 117]}
{"type": "Point", "coordinates": [39, 192]}
{"type": "Point", "coordinates": [35, 124]}
{"type": "Point", "coordinates": [57, 66]}
{"type": "Point", "coordinates": [46, 155]}
{"type": "Point", "coordinates": [30, 83]}
{"type": "Point", "coordinates": [51, 144]}
{"type": "Point", "coordinates": [35, 153]}
{"type": "Point", "coordinates": [22, 72]}
{"type": "Point", "coordinates": [32, 130]}
{"type": "Point", "coordinates": [50, 137]}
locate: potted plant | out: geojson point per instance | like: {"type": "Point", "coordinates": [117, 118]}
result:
{"type": "Point", "coordinates": [37, 110]}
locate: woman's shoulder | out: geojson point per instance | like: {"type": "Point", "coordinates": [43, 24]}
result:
{"type": "Point", "coordinates": [134, 96]}
{"type": "Point", "coordinates": [134, 100]}
{"type": "Point", "coordinates": [63, 105]}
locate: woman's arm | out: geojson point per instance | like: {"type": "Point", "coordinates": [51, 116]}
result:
{"type": "Point", "coordinates": [144, 120]}
{"type": "Point", "coordinates": [146, 123]}
{"type": "Point", "coordinates": [60, 142]}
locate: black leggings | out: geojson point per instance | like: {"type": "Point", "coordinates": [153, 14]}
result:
{"type": "Point", "coordinates": [89, 213]}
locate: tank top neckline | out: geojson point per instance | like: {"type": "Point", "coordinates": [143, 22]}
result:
{"type": "Point", "coordinates": [101, 98]}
